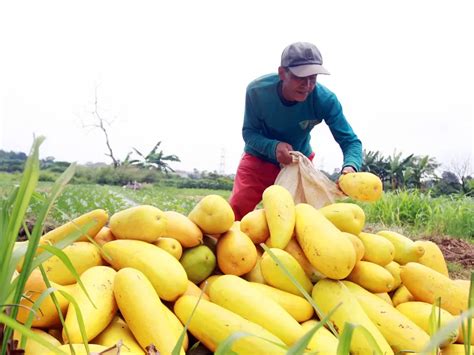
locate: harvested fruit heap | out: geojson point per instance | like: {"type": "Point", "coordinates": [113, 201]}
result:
{"type": "Point", "coordinates": [148, 267]}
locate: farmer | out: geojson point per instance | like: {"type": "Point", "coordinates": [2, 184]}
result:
{"type": "Point", "coordinates": [280, 112]}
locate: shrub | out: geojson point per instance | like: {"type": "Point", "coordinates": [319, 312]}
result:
{"type": "Point", "coordinates": [47, 176]}
{"type": "Point", "coordinates": [217, 184]}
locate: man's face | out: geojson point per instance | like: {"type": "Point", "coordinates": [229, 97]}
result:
{"type": "Point", "coordinates": [295, 88]}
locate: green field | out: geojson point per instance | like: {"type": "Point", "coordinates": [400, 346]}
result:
{"type": "Point", "coordinates": [78, 199]}
{"type": "Point", "coordinates": [414, 213]}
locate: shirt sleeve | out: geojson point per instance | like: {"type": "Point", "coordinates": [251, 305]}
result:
{"type": "Point", "coordinates": [252, 131]}
{"type": "Point", "coordinates": [343, 134]}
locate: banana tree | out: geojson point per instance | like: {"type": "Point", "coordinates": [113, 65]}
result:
{"type": "Point", "coordinates": [155, 160]}
{"type": "Point", "coordinates": [374, 162]}
{"type": "Point", "coordinates": [397, 167]}
{"type": "Point", "coordinates": [420, 168]}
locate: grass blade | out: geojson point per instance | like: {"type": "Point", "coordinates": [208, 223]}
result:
{"type": "Point", "coordinates": [12, 216]}
{"type": "Point", "coordinates": [194, 347]}
{"type": "Point", "coordinates": [34, 308]}
{"type": "Point", "coordinates": [225, 347]}
{"type": "Point", "coordinates": [54, 250]}
{"type": "Point", "coordinates": [37, 229]}
{"type": "Point", "coordinates": [66, 261]}
{"type": "Point", "coordinates": [58, 308]}
{"type": "Point", "coordinates": [18, 253]}
{"type": "Point", "coordinates": [344, 346]}
{"type": "Point", "coordinates": [318, 311]}
{"type": "Point", "coordinates": [12, 324]}
{"type": "Point", "coordinates": [443, 333]}
{"type": "Point", "coordinates": [345, 339]}
{"type": "Point", "coordinates": [80, 319]}
{"type": "Point", "coordinates": [44, 210]}
{"type": "Point", "coordinates": [435, 320]}
{"type": "Point", "coordinates": [300, 346]}
{"type": "Point", "coordinates": [67, 240]}
{"type": "Point", "coordinates": [467, 331]}
{"type": "Point", "coordinates": [21, 201]}
{"type": "Point", "coordinates": [179, 344]}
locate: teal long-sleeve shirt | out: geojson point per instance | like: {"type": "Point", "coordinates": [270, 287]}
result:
{"type": "Point", "coordinates": [269, 119]}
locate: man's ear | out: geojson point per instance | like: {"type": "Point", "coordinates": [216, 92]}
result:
{"type": "Point", "coordinates": [282, 73]}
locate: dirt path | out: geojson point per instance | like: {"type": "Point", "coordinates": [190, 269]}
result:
{"type": "Point", "coordinates": [128, 201]}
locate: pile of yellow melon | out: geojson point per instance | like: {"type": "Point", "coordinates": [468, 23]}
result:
{"type": "Point", "coordinates": [140, 295]}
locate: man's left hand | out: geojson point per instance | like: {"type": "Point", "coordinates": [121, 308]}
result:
{"type": "Point", "coordinates": [347, 170]}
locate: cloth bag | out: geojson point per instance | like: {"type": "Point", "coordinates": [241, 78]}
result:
{"type": "Point", "coordinates": [306, 183]}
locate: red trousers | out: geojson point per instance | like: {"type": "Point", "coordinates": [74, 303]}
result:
{"type": "Point", "coordinates": [253, 176]}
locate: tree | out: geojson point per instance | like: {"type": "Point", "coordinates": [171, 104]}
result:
{"type": "Point", "coordinates": [12, 161]}
{"type": "Point", "coordinates": [421, 168]}
{"type": "Point", "coordinates": [4, 155]}
{"type": "Point", "coordinates": [374, 162]}
{"type": "Point", "coordinates": [155, 160]}
{"type": "Point", "coordinates": [102, 124]}
{"type": "Point", "coordinates": [448, 184]}
{"type": "Point", "coordinates": [463, 171]}
{"type": "Point", "coordinates": [396, 169]}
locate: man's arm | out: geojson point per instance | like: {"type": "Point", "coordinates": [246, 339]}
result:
{"type": "Point", "coordinates": [252, 133]}
{"type": "Point", "coordinates": [343, 134]}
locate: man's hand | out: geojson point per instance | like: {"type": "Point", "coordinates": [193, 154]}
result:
{"type": "Point", "coordinates": [283, 153]}
{"type": "Point", "coordinates": [347, 170]}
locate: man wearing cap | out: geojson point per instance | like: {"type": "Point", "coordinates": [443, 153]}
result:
{"type": "Point", "coordinates": [280, 112]}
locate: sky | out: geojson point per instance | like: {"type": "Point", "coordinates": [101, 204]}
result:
{"type": "Point", "coordinates": [176, 72]}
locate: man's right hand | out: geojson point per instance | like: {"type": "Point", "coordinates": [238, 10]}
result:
{"type": "Point", "coordinates": [283, 153]}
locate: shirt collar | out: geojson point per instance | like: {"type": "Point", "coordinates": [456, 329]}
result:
{"type": "Point", "coordinates": [282, 99]}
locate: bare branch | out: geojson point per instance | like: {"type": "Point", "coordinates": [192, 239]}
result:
{"type": "Point", "coordinates": [102, 127]}
{"type": "Point", "coordinates": [463, 171]}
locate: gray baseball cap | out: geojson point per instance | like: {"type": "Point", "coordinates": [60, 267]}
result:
{"type": "Point", "coordinates": [303, 59]}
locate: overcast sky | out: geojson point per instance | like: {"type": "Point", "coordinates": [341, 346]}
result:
{"type": "Point", "coordinates": [176, 72]}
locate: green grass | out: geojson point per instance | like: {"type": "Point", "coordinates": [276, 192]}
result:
{"type": "Point", "coordinates": [8, 182]}
{"type": "Point", "coordinates": [13, 209]}
{"type": "Point", "coordinates": [420, 214]}
{"type": "Point", "coordinates": [454, 267]}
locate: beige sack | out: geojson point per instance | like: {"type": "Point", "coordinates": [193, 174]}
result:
{"type": "Point", "coordinates": [306, 183]}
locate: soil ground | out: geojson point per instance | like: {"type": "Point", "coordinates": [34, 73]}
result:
{"type": "Point", "coordinates": [458, 253]}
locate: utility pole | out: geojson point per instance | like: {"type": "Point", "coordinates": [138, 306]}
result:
{"type": "Point", "coordinates": [222, 162]}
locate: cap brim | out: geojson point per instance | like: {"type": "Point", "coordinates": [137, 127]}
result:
{"type": "Point", "coordinates": [308, 69]}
